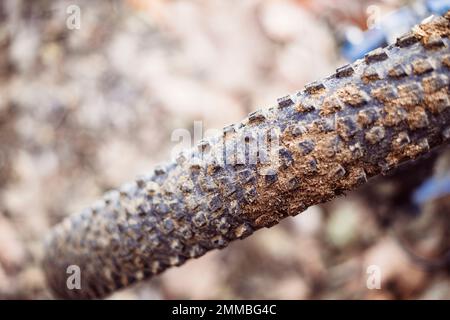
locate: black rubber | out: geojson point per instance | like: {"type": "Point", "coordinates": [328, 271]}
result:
{"type": "Point", "coordinates": [367, 118]}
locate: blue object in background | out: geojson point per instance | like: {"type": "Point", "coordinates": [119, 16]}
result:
{"type": "Point", "coordinates": [399, 22]}
{"type": "Point", "coordinates": [372, 39]}
{"type": "Point", "coordinates": [392, 25]}
{"type": "Point", "coordinates": [438, 7]}
{"type": "Point", "coordinates": [431, 189]}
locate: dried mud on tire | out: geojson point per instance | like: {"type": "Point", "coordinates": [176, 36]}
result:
{"type": "Point", "coordinates": [367, 118]}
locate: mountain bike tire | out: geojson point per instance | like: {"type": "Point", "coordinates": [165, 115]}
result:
{"type": "Point", "coordinates": [366, 119]}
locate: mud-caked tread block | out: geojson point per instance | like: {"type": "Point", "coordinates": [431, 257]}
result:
{"type": "Point", "coordinates": [375, 134]}
{"type": "Point", "coordinates": [344, 71]}
{"type": "Point", "coordinates": [370, 74]}
{"type": "Point", "coordinates": [347, 127]}
{"type": "Point", "coordinates": [256, 116]}
{"type": "Point", "coordinates": [306, 146]}
{"type": "Point", "coordinates": [446, 60]}
{"type": "Point", "coordinates": [331, 105]}
{"type": "Point", "coordinates": [353, 96]}
{"type": "Point", "coordinates": [434, 42]}
{"type": "Point", "coordinates": [421, 66]}
{"type": "Point", "coordinates": [367, 117]}
{"type": "Point", "coordinates": [314, 87]}
{"type": "Point", "coordinates": [407, 40]}
{"type": "Point", "coordinates": [305, 107]}
{"type": "Point", "coordinates": [376, 55]}
{"type": "Point", "coordinates": [364, 120]}
{"type": "Point", "coordinates": [417, 118]}
{"type": "Point", "coordinates": [230, 129]}
{"type": "Point", "coordinates": [434, 82]}
{"type": "Point", "coordinates": [285, 102]}
{"type": "Point", "coordinates": [385, 93]}
{"type": "Point", "coordinates": [397, 71]}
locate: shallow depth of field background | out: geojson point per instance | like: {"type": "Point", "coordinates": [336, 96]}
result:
{"type": "Point", "coordinates": [84, 111]}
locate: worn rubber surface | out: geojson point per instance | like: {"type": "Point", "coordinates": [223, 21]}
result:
{"type": "Point", "coordinates": [367, 118]}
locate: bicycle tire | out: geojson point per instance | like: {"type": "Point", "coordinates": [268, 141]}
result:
{"type": "Point", "coordinates": [367, 118]}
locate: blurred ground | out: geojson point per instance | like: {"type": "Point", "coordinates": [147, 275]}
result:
{"type": "Point", "coordinates": [83, 111]}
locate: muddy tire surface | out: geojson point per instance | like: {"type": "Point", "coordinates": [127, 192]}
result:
{"type": "Point", "coordinates": [366, 119]}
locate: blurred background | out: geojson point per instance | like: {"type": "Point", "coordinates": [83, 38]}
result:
{"type": "Point", "coordinates": [85, 108]}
